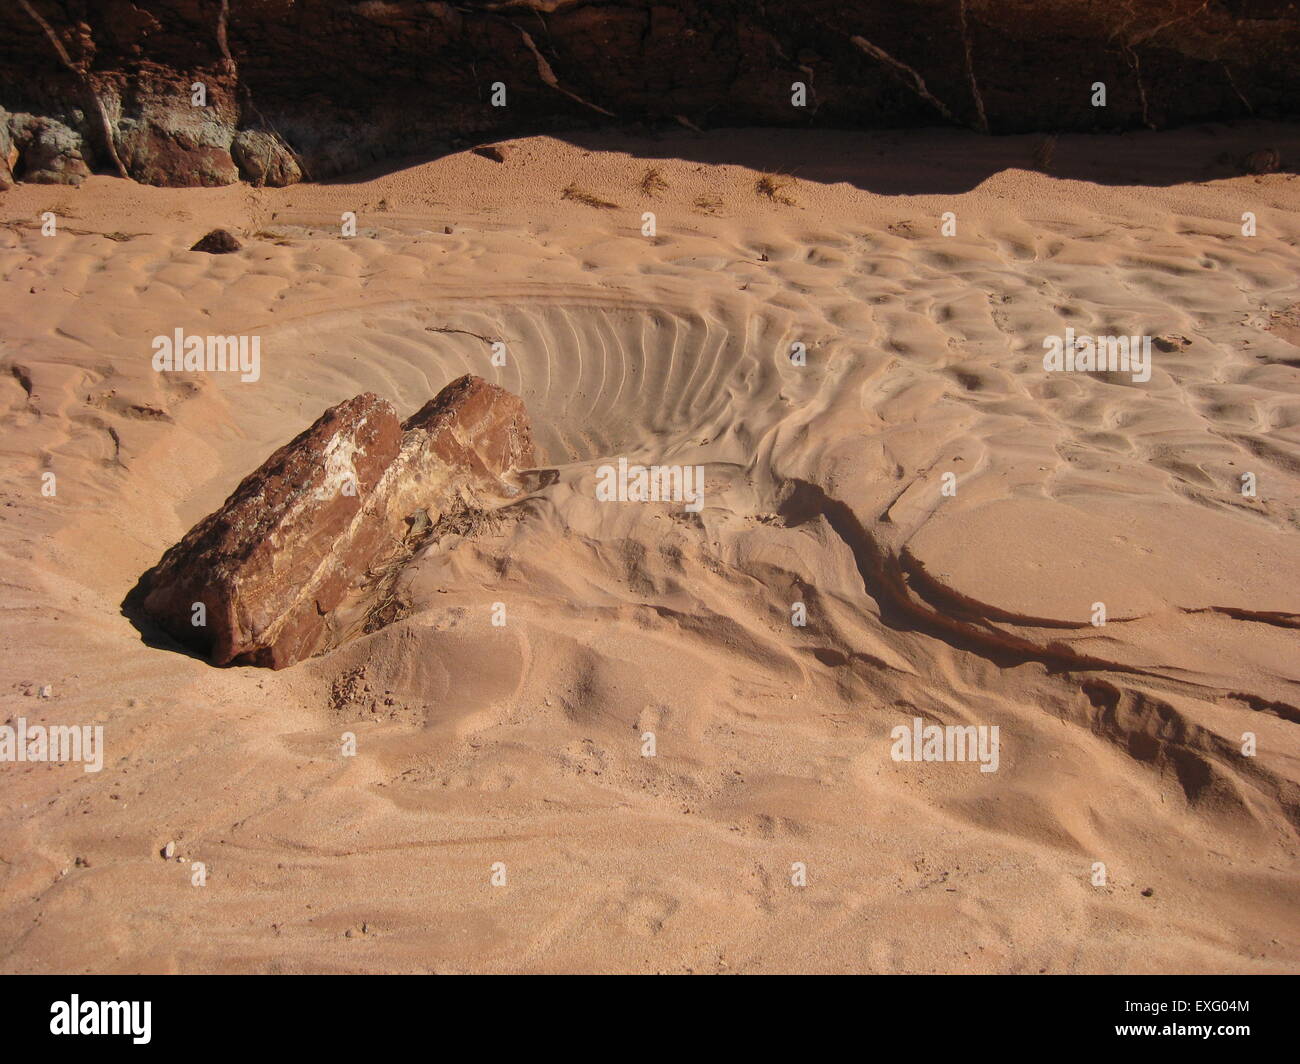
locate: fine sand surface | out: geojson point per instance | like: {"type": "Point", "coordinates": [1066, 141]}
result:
{"type": "Point", "coordinates": [522, 744]}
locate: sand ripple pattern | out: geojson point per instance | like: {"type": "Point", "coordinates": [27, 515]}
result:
{"type": "Point", "coordinates": [600, 378]}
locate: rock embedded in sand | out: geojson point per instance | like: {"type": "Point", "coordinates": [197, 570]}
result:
{"type": "Point", "coordinates": [217, 242]}
{"type": "Point", "coordinates": [276, 554]}
{"type": "Point", "coordinates": [292, 554]}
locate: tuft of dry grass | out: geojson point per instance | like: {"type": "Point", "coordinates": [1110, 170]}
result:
{"type": "Point", "coordinates": [1263, 161]}
{"type": "Point", "coordinates": [707, 204]}
{"type": "Point", "coordinates": [460, 519]}
{"type": "Point", "coordinates": [652, 181]}
{"type": "Point", "coordinates": [464, 520]}
{"type": "Point", "coordinates": [774, 186]}
{"type": "Point", "coordinates": [588, 199]}
{"type": "Point", "coordinates": [1044, 152]}
{"type": "Point", "coordinates": [279, 239]}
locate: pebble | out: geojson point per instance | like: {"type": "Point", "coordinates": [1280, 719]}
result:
{"type": "Point", "coordinates": [169, 851]}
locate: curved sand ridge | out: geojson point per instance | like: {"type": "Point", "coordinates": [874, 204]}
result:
{"type": "Point", "coordinates": [523, 744]}
{"type": "Point", "coordinates": [600, 377]}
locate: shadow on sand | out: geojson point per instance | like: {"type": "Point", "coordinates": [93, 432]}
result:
{"type": "Point", "coordinates": [938, 161]}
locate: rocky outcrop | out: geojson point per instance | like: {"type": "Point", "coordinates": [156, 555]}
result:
{"type": "Point", "coordinates": [266, 578]}
{"type": "Point", "coordinates": [177, 157]}
{"type": "Point", "coordinates": [50, 152]}
{"type": "Point", "coordinates": [325, 86]}
{"type": "Point", "coordinates": [8, 155]}
{"type": "Point", "coordinates": [265, 159]}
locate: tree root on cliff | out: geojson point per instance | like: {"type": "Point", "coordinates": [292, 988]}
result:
{"type": "Point", "coordinates": [106, 127]}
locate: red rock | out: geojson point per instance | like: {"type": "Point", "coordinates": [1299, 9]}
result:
{"type": "Point", "coordinates": [302, 536]}
{"type": "Point", "coordinates": [476, 426]}
{"type": "Point", "coordinates": [171, 158]}
{"type": "Point", "coordinates": [275, 556]}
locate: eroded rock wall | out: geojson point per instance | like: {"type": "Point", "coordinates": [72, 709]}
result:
{"type": "Point", "coordinates": [296, 88]}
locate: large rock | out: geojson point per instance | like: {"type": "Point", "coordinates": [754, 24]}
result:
{"type": "Point", "coordinates": [277, 554]}
{"type": "Point", "coordinates": [164, 139]}
{"type": "Point", "coordinates": [8, 153]}
{"type": "Point", "coordinates": [50, 152]}
{"type": "Point", "coordinates": [264, 159]}
{"type": "Point", "coordinates": [307, 531]}
{"type": "Point", "coordinates": [175, 159]}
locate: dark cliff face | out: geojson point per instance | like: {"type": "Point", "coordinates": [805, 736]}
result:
{"type": "Point", "coordinates": [311, 88]}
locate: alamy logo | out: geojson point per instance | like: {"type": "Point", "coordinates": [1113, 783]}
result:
{"type": "Point", "coordinates": [54, 742]}
{"type": "Point", "coordinates": [102, 1017]}
{"type": "Point", "coordinates": [953, 742]}
{"type": "Point", "coordinates": [656, 483]}
{"type": "Point", "coordinates": [1098, 354]}
{"type": "Point", "coordinates": [211, 354]}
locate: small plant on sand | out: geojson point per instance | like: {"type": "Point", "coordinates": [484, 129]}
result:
{"type": "Point", "coordinates": [707, 204]}
{"type": "Point", "coordinates": [652, 181]}
{"type": "Point", "coordinates": [1044, 152]}
{"type": "Point", "coordinates": [774, 186]}
{"type": "Point", "coordinates": [588, 199]}
{"type": "Point", "coordinates": [461, 519]}
{"type": "Point", "coordinates": [1263, 161]}
{"type": "Point", "coordinates": [275, 238]}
